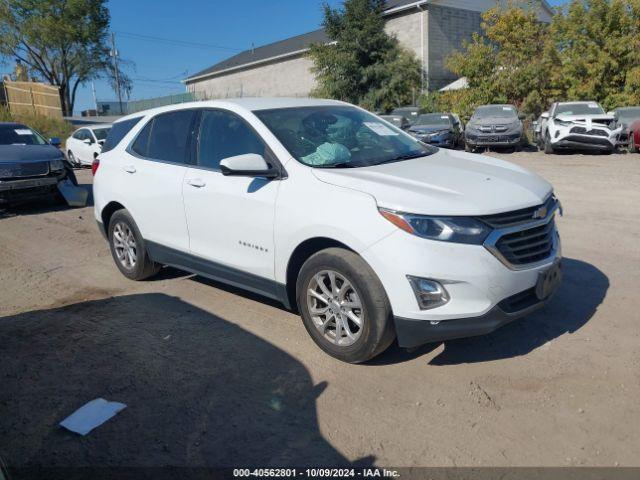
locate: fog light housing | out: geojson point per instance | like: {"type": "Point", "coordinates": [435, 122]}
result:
{"type": "Point", "coordinates": [429, 293]}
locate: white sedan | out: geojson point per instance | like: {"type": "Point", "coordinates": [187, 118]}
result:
{"type": "Point", "coordinates": [86, 144]}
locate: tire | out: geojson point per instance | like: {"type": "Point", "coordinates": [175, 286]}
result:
{"type": "Point", "coordinates": [375, 332]}
{"type": "Point", "coordinates": [122, 227]}
{"type": "Point", "coordinates": [72, 159]}
{"type": "Point", "coordinates": [468, 148]}
{"type": "Point", "coordinates": [548, 148]}
{"type": "Point", "coordinates": [633, 148]}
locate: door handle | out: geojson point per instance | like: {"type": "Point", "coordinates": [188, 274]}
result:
{"type": "Point", "coordinates": [130, 169]}
{"type": "Point", "coordinates": [197, 182]}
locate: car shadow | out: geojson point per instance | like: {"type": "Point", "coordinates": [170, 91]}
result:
{"type": "Point", "coordinates": [583, 289]}
{"type": "Point", "coordinates": [200, 391]}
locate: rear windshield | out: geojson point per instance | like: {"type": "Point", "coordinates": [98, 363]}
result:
{"type": "Point", "coordinates": [19, 135]}
{"type": "Point", "coordinates": [118, 132]}
{"type": "Point", "coordinates": [590, 108]}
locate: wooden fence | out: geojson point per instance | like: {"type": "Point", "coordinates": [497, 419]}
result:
{"type": "Point", "coordinates": [32, 98]}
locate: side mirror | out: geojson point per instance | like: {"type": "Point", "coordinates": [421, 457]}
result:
{"type": "Point", "coordinates": [247, 165]}
{"type": "Point", "coordinates": [55, 141]}
{"type": "Point", "coordinates": [87, 141]}
{"type": "Point", "coordinates": [545, 115]}
{"type": "Point", "coordinates": [612, 113]}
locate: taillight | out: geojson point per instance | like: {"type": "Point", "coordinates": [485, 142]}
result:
{"type": "Point", "coordinates": [95, 165]}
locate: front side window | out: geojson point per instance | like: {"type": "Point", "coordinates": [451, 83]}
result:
{"type": "Point", "coordinates": [340, 137]}
{"type": "Point", "coordinates": [19, 135]}
{"type": "Point", "coordinates": [78, 135]}
{"type": "Point", "coordinates": [223, 135]}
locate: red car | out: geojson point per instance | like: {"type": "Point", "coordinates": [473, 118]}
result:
{"type": "Point", "coordinates": [634, 137]}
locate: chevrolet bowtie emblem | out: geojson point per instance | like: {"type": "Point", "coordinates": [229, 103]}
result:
{"type": "Point", "coordinates": [540, 213]}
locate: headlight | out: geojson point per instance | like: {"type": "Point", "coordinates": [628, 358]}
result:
{"type": "Point", "coordinates": [563, 123]}
{"type": "Point", "coordinates": [445, 229]}
{"type": "Point", "coordinates": [56, 165]}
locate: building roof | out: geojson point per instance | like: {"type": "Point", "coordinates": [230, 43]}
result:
{"type": "Point", "coordinates": [294, 45]}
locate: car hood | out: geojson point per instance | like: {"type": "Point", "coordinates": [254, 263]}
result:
{"type": "Point", "coordinates": [493, 121]}
{"type": "Point", "coordinates": [584, 118]}
{"type": "Point", "coordinates": [28, 153]}
{"type": "Point", "coordinates": [445, 183]}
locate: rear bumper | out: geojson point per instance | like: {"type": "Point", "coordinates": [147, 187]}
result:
{"type": "Point", "coordinates": [413, 333]}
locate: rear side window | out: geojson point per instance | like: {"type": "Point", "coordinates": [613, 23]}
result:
{"type": "Point", "coordinates": [169, 137]}
{"type": "Point", "coordinates": [118, 132]}
{"type": "Point", "coordinates": [223, 135]}
{"type": "Point", "coordinates": [141, 145]}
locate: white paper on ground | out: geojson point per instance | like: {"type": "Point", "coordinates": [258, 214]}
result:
{"type": "Point", "coordinates": [91, 415]}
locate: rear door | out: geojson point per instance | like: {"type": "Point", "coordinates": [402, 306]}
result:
{"type": "Point", "coordinates": [152, 173]}
{"type": "Point", "coordinates": [230, 219]}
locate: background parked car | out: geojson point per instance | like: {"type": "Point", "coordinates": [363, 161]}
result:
{"type": "Point", "coordinates": [625, 117]}
{"type": "Point", "coordinates": [32, 167]}
{"type": "Point", "coordinates": [634, 137]}
{"type": "Point", "coordinates": [494, 126]}
{"type": "Point", "coordinates": [578, 125]}
{"type": "Point", "coordinates": [86, 144]}
{"type": "Point", "coordinates": [398, 120]}
{"type": "Point", "coordinates": [410, 113]}
{"type": "Point", "coordinates": [440, 129]}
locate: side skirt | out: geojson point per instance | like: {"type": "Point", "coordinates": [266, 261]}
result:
{"type": "Point", "coordinates": [216, 271]}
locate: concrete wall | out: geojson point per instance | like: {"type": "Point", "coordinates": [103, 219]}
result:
{"type": "Point", "coordinates": [288, 78]}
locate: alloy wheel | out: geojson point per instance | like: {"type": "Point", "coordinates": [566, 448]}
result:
{"type": "Point", "coordinates": [124, 244]}
{"type": "Point", "coordinates": [335, 308]}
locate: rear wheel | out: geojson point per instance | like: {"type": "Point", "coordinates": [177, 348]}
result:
{"type": "Point", "coordinates": [128, 248]}
{"type": "Point", "coordinates": [344, 306]}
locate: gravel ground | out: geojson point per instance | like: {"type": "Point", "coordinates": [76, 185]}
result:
{"type": "Point", "coordinates": [213, 376]}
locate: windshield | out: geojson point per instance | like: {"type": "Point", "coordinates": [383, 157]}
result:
{"type": "Point", "coordinates": [590, 108]}
{"type": "Point", "coordinates": [495, 111]}
{"type": "Point", "coordinates": [340, 137]}
{"type": "Point", "coordinates": [19, 135]}
{"type": "Point", "coordinates": [437, 119]}
{"type": "Point", "coordinates": [101, 133]}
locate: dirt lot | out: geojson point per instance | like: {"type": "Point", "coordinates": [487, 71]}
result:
{"type": "Point", "coordinates": [213, 376]}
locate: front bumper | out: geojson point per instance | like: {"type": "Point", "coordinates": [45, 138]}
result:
{"type": "Point", "coordinates": [493, 139]}
{"type": "Point", "coordinates": [445, 141]}
{"type": "Point", "coordinates": [566, 137]}
{"type": "Point", "coordinates": [28, 189]}
{"type": "Point", "coordinates": [413, 333]}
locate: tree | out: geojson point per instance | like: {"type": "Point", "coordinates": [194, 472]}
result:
{"type": "Point", "coordinates": [362, 64]}
{"type": "Point", "coordinates": [506, 63]}
{"type": "Point", "coordinates": [595, 52]}
{"type": "Point", "coordinates": [64, 41]}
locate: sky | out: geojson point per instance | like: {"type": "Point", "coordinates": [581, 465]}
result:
{"type": "Point", "coordinates": [192, 35]}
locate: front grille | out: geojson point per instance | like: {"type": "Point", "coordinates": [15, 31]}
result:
{"type": "Point", "coordinates": [22, 170]}
{"type": "Point", "coordinates": [528, 246]}
{"type": "Point", "coordinates": [583, 131]}
{"type": "Point", "coordinates": [518, 217]}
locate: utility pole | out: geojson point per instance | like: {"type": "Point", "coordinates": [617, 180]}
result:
{"type": "Point", "coordinates": [95, 99]}
{"type": "Point", "coordinates": [114, 54]}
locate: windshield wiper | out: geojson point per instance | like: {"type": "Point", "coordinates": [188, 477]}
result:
{"type": "Point", "coordinates": [406, 156]}
{"type": "Point", "coordinates": [337, 165]}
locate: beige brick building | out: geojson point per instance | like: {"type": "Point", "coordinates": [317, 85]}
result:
{"type": "Point", "coordinates": [431, 29]}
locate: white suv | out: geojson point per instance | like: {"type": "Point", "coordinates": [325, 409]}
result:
{"type": "Point", "coordinates": [578, 125]}
{"type": "Point", "coordinates": [368, 233]}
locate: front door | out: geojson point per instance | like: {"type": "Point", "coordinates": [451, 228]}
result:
{"type": "Point", "coordinates": [230, 219]}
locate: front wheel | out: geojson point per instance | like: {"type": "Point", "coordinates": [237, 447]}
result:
{"type": "Point", "coordinates": [344, 306]}
{"type": "Point", "coordinates": [548, 147]}
{"type": "Point", "coordinates": [72, 159]}
{"type": "Point", "coordinates": [128, 248]}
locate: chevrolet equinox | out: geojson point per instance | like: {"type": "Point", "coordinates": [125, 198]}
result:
{"type": "Point", "coordinates": [368, 233]}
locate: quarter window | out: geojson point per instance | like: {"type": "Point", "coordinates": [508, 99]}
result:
{"type": "Point", "coordinates": [118, 132]}
{"type": "Point", "coordinates": [223, 135]}
{"type": "Point", "coordinates": [141, 145]}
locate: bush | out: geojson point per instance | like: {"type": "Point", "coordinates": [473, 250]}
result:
{"type": "Point", "coordinates": [49, 127]}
